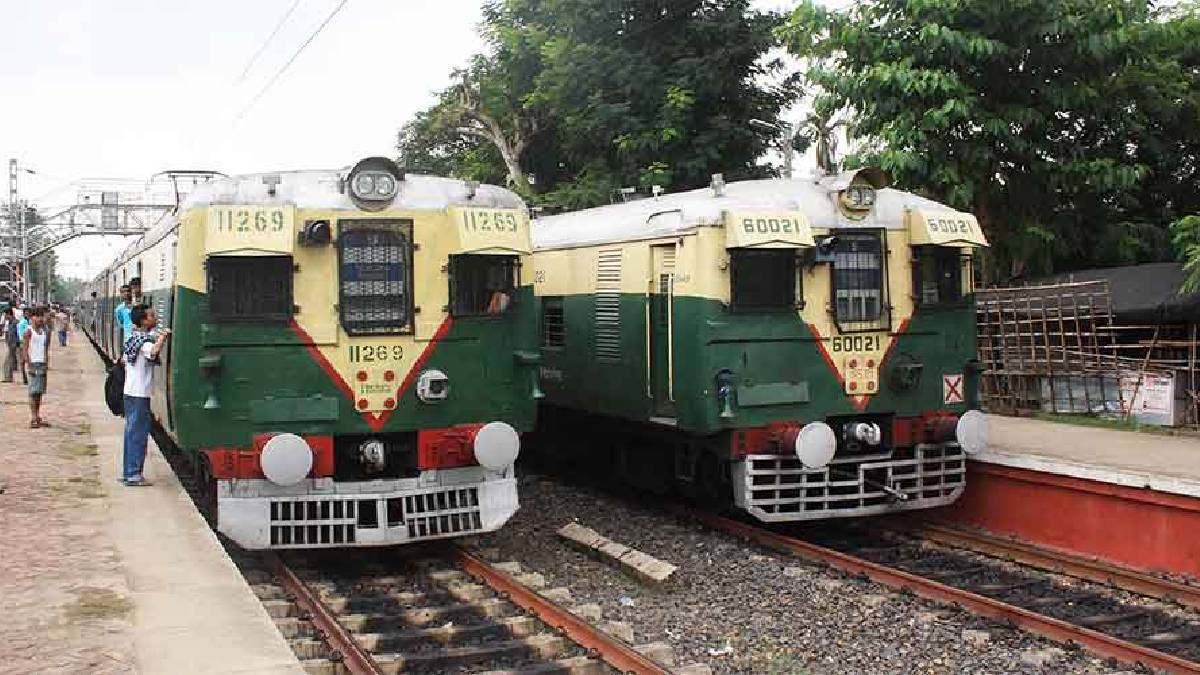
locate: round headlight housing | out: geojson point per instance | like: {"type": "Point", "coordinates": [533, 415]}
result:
{"type": "Point", "coordinates": [972, 432]}
{"type": "Point", "coordinates": [815, 445]}
{"type": "Point", "coordinates": [496, 446]}
{"type": "Point", "coordinates": [373, 183]}
{"type": "Point", "coordinates": [286, 459]}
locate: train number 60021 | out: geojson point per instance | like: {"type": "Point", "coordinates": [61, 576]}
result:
{"type": "Point", "coordinates": [856, 343]}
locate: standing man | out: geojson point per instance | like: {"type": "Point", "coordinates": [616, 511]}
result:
{"type": "Point", "coordinates": [63, 323]}
{"type": "Point", "coordinates": [22, 326]}
{"type": "Point", "coordinates": [37, 355]}
{"type": "Point", "coordinates": [140, 357]}
{"type": "Point", "coordinates": [123, 313]}
{"type": "Point", "coordinates": [12, 343]}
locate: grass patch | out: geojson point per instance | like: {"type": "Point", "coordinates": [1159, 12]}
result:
{"type": "Point", "coordinates": [1119, 424]}
{"type": "Point", "coordinates": [89, 450]}
{"type": "Point", "coordinates": [98, 603]}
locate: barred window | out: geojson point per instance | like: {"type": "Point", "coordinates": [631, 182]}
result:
{"type": "Point", "coordinates": [938, 275]}
{"type": "Point", "coordinates": [375, 284]}
{"type": "Point", "coordinates": [859, 282]}
{"type": "Point", "coordinates": [482, 284]}
{"type": "Point", "coordinates": [762, 279]}
{"type": "Point", "coordinates": [554, 329]}
{"type": "Point", "coordinates": [249, 288]}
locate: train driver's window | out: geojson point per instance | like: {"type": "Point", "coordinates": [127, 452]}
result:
{"type": "Point", "coordinates": [938, 275]}
{"type": "Point", "coordinates": [375, 279]}
{"type": "Point", "coordinates": [859, 282]}
{"type": "Point", "coordinates": [249, 288]}
{"type": "Point", "coordinates": [482, 285]}
{"type": "Point", "coordinates": [762, 279]}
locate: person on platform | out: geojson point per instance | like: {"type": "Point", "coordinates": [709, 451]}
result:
{"type": "Point", "coordinates": [12, 343]}
{"type": "Point", "coordinates": [62, 321]}
{"type": "Point", "coordinates": [140, 356]}
{"type": "Point", "coordinates": [36, 343]}
{"type": "Point", "coordinates": [135, 290]}
{"type": "Point", "coordinates": [123, 312]}
{"type": "Point", "coordinates": [22, 326]}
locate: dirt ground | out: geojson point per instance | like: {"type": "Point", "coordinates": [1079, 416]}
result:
{"type": "Point", "coordinates": [64, 604]}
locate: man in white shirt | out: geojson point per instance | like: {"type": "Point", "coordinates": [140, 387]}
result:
{"type": "Point", "coordinates": [36, 341]}
{"type": "Point", "coordinates": [140, 357]}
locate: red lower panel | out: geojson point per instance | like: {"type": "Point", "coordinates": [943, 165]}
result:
{"type": "Point", "coordinates": [1137, 527]}
{"type": "Point", "coordinates": [243, 462]}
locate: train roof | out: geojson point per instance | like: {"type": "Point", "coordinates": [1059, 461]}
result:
{"type": "Point", "coordinates": [319, 189]}
{"type": "Point", "coordinates": [682, 212]}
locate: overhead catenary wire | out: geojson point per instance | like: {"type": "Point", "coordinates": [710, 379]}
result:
{"type": "Point", "coordinates": [263, 46]}
{"type": "Point", "coordinates": [283, 69]}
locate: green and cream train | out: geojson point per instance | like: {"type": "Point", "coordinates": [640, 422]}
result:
{"type": "Point", "coordinates": [354, 351]}
{"type": "Point", "coordinates": [803, 349]}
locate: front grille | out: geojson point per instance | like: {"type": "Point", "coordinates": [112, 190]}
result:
{"type": "Point", "coordinates": [778, 488]}
{"type": "Point", "coordinates": [436, 514]}
{"type": "Point", "coordinates": [313, 522]}
{"type": "Point", "coordinates": [345, 521]}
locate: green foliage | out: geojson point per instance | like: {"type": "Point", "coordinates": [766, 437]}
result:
{"type": "Point", "coordinates": [1069, 127]}
{"type": "Point", "coordinates": [1185, 234]}
{"type": "Point", "coordinates": [607, 95]}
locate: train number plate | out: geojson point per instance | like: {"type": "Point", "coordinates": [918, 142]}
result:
{"type": "Point", "coordinates": [243, 227]}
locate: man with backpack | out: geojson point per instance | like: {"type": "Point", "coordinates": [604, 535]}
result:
{"type": "Point", "coordinates": [140, 356]}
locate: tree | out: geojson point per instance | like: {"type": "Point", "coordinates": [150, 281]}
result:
{"type": "Point", "coordinates": [589, 97]}
{"type": "Point", "coordinates": [1069, 127]}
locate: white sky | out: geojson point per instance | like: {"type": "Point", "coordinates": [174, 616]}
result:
{"type": "Point", "coordinates": [127, 88]}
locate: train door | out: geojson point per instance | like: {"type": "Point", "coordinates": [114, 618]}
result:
{"type": "Point", "coordinates": [662, 301]}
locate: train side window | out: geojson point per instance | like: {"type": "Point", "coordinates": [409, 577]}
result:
{"type": "Point", "coordinates": [250, 288]}
{"type": "Point", "coordinates": [482, 284]}
{"type": "Point", "coordinates": [375, 281]}
{"type": "Point", "coordinates": [938, 275]}
{"type": "Point", "coordinates": [762, 279]}
{"type": "Point", "coordinates": [554, 326]}
{"type": "Point", "coordinates": [859, 282]}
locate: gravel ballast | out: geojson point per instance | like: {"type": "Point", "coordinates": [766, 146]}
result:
{"type": "Point", "coordinates": [742, 609]}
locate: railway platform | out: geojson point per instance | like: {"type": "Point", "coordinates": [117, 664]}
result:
{"type": "Point", "coordinates": [168, 592]}
{"type": "Point", "coordinates": [1132, 498]}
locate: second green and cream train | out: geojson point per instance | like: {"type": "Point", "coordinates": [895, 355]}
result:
{"type": "Point", "coordinates": [804, 349]}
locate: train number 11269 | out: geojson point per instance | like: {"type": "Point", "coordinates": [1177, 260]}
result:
{"type": "Point", "coordinates": [374, 353]}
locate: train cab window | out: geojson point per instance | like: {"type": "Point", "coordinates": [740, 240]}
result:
{"type": "Point", "coordinates": [554, 325]}
{"type": "Point", "coordinates": [249, 288]}
{"type": "Point", "coordinates": [482, 284]}
{"type": "Point", "coordinates": [859, 282]}
{"type": "Point", "coordinates": [938, 275]}
{"type": "Point", "coordinates": [762, 279]}
{"type": "Point", "coordinates": [375, 278]}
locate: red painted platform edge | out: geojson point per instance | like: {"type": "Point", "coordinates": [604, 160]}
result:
{"type": "Point", "coordinates": [1137, 527]}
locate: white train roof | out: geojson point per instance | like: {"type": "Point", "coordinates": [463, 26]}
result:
{"type": "Point", "coordinates": [682, 212]}
{"type": "Point", "coordinates": [319, 189]}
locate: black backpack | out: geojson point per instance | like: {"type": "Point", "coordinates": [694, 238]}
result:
{"type": "Point", "coordinates": [114, 388]}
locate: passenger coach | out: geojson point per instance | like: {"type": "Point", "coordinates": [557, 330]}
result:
{"type": "Point", "coordinates": [804, 349]}
{"type": "Point", "coordinates": [353, 352]}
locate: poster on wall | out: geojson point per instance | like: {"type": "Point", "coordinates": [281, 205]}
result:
{"type": "Point", "coordinates": [1151, 396]}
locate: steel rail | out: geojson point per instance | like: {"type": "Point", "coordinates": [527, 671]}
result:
{"type": "Point", "coordinates": [354, 657]}
{"type": "Point", "coordinates": [1048, 627]}
{"type": "Point", "coordinates": [1058, 561]}
{"type": "Point", "coordinates": [613, 651]}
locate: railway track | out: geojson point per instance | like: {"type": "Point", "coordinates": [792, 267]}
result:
{"type": "Point", "coordinates": [1152, 634]}
{"type": "Point", "coordinates": [439, 611]}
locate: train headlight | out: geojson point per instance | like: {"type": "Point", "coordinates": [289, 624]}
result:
{"type": "Point", "coordinates": [374, 182]}
{"type": "Point", "coordinates": [815, 445]}
{"type": "Point", "coordinates": [364, 186]}
{"type": "Point", "coordinates": [496, 446]}
{"type": "Point", "coordinates": [286, 459]}
{"type": "Point", "coordinates": [972, 432]}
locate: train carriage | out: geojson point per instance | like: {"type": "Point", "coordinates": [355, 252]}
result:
{"type": "Point", "coordinates": [353, 353]}
{"type": "Point", "coordinates": [803, 349]}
